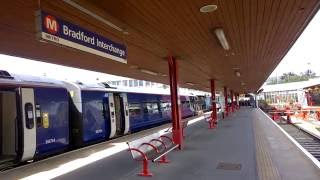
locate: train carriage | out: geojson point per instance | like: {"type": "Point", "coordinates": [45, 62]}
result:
{"type": "Point", "coordinates": [34, 118]}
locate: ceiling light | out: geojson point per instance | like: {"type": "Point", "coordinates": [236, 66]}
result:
{"type": "Point", "coordinates": [190, 83]}
{"type": "Point", "coordinates": [237, 73]}
{"type": "Point", "coordinates": [242, 83]}
{"type": "Point", "coordinates": [162, 74]}
{"type": "Point", "coordinates": [208, 8]}
{"type": "Point", "coordinates": [148, 72]}
{"type": "Point", "coordinates": [222, 38]}
{"type": "Point", "coordinates": [95, 16]}
{"type": "Point", "coordinates": [133, 66]}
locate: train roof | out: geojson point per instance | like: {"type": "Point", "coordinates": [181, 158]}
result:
{"type": "Point", "coordinates": [105, 87]}
{"type": "Point", "coordinates": [27, 80]}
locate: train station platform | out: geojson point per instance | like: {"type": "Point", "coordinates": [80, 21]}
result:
{"type": "Point", "coordinates": [246, 145]}
{"type": "Point", "coordinates": [312, 127]}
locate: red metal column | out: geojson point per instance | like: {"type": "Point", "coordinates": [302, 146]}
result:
{"type": "Point", "coordinates": [213, 122]}
{"type": "Point", "coordinates": [232, 102]}
{"type": "Point", "coordinates": [175, 102]}
{"type": "Point", "coordinates": [226, 101]}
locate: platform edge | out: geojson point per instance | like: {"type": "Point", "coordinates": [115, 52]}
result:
{"type": "Point", "coordinates": [304, 151]}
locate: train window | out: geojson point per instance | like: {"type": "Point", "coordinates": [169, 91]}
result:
{"type": "Point", "coordinates": [28, 107]}
{"type": "Point", "coordinates": [134, 110]}
{"type": "Point", "coordinates": [38, 116]}
{"type": "Point", "coordinates": [184, 104]}
{"type": "Point", "coordinates": [125, 82]}
{"type": "Point", "coordinates": [165, 106]}
{"type": "Point", "coordinates": [135, 83]}
{"type": "Point", "coordinates": [151, 108]}
{"type": "Point", "coordinates": [140, 83]}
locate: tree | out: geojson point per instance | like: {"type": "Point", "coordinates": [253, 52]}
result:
{"type": "Point", "coordinates": [292, 77]}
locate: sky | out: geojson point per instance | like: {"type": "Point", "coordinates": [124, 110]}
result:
{"type": "Point", "coordinates": [26, 67]}
{"type": "Point", "coordinates": [305, 54]}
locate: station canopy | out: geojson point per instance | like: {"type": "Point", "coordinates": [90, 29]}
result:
{"type": "Point", "coordinates": [258, 34]}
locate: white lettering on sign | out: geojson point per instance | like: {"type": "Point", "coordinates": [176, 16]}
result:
{"type": "Point", "coordinates": [78, 35]}
{"type": "Point", "coordinates": [110, 47]}
{"type": "Point", "coordinates": [59, 31]}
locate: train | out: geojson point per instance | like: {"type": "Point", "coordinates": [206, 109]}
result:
{"type": "Point", "coordinates": [41, 117]}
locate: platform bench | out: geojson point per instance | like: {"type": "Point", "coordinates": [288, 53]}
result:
{"type": "Point", "coordinates": [184, 124]}
{"type": "Point", "coordinates": [152, 148]}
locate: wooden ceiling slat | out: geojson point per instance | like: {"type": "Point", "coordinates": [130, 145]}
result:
{"type": "Point", "coordinates": [240, 26]}
{"type": "Point", "coordinates": [274, 15]}
{"type": "Point", "coordinates": [297, 19]}
{"type": "Point", "coordinates": [286, 32]}
{"type": "Point", "coordinates": [265, 31]}
{"type": "Point", "coordinates": [278, 10]}
{"type": "Point", "coordinates": [280, 30]}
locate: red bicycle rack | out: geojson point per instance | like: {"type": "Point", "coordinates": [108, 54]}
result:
{"type": "Point", "coordinates": [145, 171]}
{"type": "Point", "coordinates": [164, 157]}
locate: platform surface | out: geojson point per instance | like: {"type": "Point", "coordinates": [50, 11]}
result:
{"type": "Point", "coordinates": [245, 146]}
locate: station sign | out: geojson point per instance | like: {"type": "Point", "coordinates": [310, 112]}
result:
{"type": "Point", "coordinates": [56, 30]}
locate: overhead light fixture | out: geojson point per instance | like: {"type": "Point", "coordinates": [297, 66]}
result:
{"type": "Point", "coordinates": [190, 83]}
{"type": "Point", "coordinates": [208, 8]}
{"type": "Point", "coordinates": [162, 74]}
{"type": "Point", "coordinates": [222, 38]}
{"type": "Point", "coordinates": [148, 72]}
{"type": "Point", "coordinates": [133, 66]}
{"type": "Point", "coordinates": [95, 16]}
{"type": "Point", "coordinates": [242, 83]}
{"type": "Point", "coordinates": [237, 73]}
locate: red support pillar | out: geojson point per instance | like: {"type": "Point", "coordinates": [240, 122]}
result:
{"type": "Point", "coordinates": [232, 102]}
{"type": "Point", "coordinates": [213, 122]}
{"type": "Point", "coordinates": [226, 101]}
{"type": "Point", "coordinates": [175, 104]}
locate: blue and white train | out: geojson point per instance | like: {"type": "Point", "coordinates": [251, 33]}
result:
{"type": "Point", "coordinates": [41, 117]}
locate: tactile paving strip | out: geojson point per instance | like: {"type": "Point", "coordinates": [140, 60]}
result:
{"type": "Point", "coordinates": [265, 166]}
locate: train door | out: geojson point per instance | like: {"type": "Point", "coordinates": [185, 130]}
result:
{"type": "Point", "coordinates": [28, 123]}
{"type": "Point", "coordinates": [125, 112]}
{"type": "Point", "coordinates": [112, 115]}
{"type": "Point", "coordinates": [8, 130]}
{"type": "Point", "coordinates": [119, 115]}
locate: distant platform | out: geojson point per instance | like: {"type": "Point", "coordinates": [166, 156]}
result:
{"type": "Point", "coordinates": [312, 127]}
